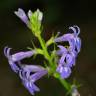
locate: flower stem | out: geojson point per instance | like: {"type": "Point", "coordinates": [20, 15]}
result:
{"type": "Point", "coordinates": [43, 45]}
{"type": "Point", "coordinates": [65, 83]}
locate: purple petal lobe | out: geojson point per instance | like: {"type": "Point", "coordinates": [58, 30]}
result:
{"type": "Point", "coordinates": [62, 50]}
{"type": "Point", "coordinates": [64, 71]}
{"type": "Point", "coordinates": [31, 87]}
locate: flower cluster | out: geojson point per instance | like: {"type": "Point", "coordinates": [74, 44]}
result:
{"type": "Point", "coordinates": [29, 74]}
{"type": "Point", "coordinates": [25, 71]}
{"type": "Point", "coordinates": [68, 54]}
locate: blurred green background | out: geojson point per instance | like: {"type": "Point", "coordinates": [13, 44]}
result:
{"type": "Point", "coordinates": [58, 16]}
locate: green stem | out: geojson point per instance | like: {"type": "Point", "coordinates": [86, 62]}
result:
{"type": "Point", "coordinates": [46, 54]}
{"type": "Point", "coordinates": [43, 45]}
{"type": "Point", "coordinates": [65, 83]}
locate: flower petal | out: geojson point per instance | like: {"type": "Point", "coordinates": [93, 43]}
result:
{"type": "Point", "coordinates": [62, 50]}
{"type": "Point", "coordinates": [78, 44]}
{"type": "Point", "coordinates": [14, 66]}
{"type": "Point", "coordinates": [65, 72]}
{"type": "Point", "coordinates": [21, 55]}
{"type": "Point", "coordinates": [69, 60]}
{"type": "Point", "coordinates": [7, 52]}
{"type": "Point", "coordinates": [36, 76]}
{"type": "Point", "coordinates": [31, 87]}
{"type": "Point", "coordinates": [63, 38]}
{"type": "Point", "coordinates": [17, 56]}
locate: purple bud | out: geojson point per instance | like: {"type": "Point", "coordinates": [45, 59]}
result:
{"type": "Point", "coordinates": [21, 14]}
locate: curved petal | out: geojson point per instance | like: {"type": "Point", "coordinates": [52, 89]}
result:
{"type": "Point", "coordinates": [78, 29]}
{"type": "Point", "coordinates": [64, 71]}
{"type": "Point", "coordinates": [62, 50]}
{"type": "Point", "coordinates": [78, 44]}
{"type": "Point", "coordinates": [7, 52]}
{"type": "Point", "coordinates": [76, 32]}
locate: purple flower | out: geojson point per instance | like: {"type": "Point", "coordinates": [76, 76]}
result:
{"type": "Point", "coordinates": [28, 79]}
{"type": "Point", "coordinates": [67, 56]}
{"type": "Point", "coordinates": [15, 58]}
{"type": "Point", "coordinates": [21, 14]}
{"type": "Point", "coordinates": [29, 74]}
{"type": "Point", "coordinates": [72, 38]}
{"type": "Point", "coordinates": [64, 71]}
{"type": "Point", "coordinates": [65, 62]}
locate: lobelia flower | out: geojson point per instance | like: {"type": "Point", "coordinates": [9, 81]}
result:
{"type": "Point", "coordinates": [28, 79]}
{"type": "Point", "coordinates": [72, 38]}
{"type": "Point", "coordinates": [67, 56]}
{"type": "Point", "coordinates": [25, 71]}
{"type": "Point", "coordinates": [15, 58]}
{"type": "Point", "coordinates": [66, 61]}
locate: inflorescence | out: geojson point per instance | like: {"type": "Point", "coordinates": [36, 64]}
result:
{"type": "Point", "coordinates": [66, 55]}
